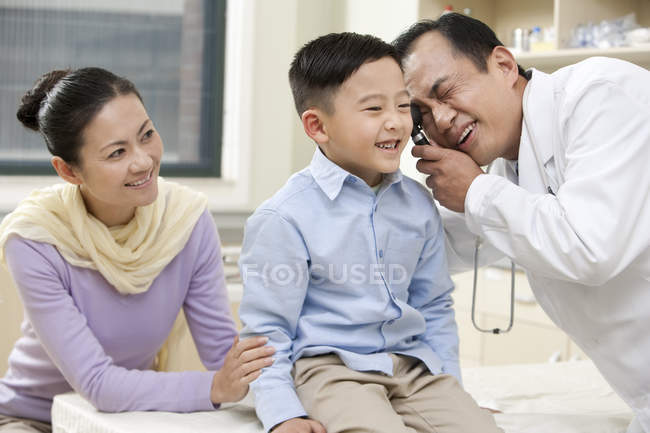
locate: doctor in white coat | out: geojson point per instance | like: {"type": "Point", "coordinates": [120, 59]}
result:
{"type": "Point", "coordinates": [568, 193]}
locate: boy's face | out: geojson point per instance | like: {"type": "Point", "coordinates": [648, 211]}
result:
{"type": "Point", "coordinates": [370, 123]}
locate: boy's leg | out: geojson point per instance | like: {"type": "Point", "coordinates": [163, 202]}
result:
{"type": "Point", "coordinates": [344, 400]}
{"type": "Point", "coordinates": [436, 403]}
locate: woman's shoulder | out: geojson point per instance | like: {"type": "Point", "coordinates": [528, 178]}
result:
{"type": "Point", "coordinates": [26, 250]}
{"type": "Point", "coordinates": [204, 236]}
{"type": "Point", "coordinates": [27, 259]}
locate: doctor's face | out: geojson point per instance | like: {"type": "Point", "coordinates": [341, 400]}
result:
{"type": "Point", "coordinates": [462, 107]}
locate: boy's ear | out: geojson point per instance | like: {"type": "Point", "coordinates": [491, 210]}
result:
{"type": "Point", "coordinates": [66, 171]}
{"type": "Point", "coordinates": [312, 123]}
{"type": "Point", "coordinates": [505, 63]}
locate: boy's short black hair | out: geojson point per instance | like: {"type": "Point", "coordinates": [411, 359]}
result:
{"type": "Point", "coordinates": [468, 37]}
{"type": "Point", "coordinates": [322, 65]}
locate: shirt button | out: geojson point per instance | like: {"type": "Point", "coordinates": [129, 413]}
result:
{"type": "Point", "coordinates": [381, 253]}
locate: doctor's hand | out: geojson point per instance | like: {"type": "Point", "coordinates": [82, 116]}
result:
{"type": "Point", "coordinates": [243, 364]}
{"type": "Point", "coordinates": [299, 425]}
{"type": "Point", "coordinates": [451, 173]}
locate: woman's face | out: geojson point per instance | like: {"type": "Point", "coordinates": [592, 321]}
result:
{"type": "Point", "coordinates": [119, 161]}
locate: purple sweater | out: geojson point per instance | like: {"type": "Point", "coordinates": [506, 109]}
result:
{"type": "Point", "coordinates": [80, 334]}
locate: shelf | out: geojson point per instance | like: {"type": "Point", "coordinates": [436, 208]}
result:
{"type": "Point", "coordinates": [544, 60]}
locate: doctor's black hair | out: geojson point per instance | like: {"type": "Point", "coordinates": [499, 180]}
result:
{"type": "Point", "coordinates": [63, 102]}
{"type": "Point", "coordinates": [322, 65]}
{"type": "Point", "coordinates": [468, 37]}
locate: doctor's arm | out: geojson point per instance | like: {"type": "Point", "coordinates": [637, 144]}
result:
{"type": "Point", "coordinates": [597, 224]}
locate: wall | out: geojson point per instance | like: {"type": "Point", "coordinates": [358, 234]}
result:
{"type": "Point", "coordinates": [280, 147]}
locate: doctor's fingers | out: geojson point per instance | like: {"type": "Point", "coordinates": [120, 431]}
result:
{"type": "Point", "coordinates": [432, 152]}
{"type": "Point", "coordinates": [429, 167]}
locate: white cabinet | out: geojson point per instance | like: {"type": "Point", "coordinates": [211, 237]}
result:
{"type": "Point", "coordinates": [503, 16]}
{"type": "Point", "coordinates": [533, 339]}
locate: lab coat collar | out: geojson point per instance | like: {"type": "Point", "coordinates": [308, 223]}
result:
{"type": "Point", "coordinates": [331, 178]}
{"type": "Point", "coordinates": [537, 100]}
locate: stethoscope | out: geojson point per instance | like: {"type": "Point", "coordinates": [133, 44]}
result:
{"type": "Point", "coordinates": [419, 138]}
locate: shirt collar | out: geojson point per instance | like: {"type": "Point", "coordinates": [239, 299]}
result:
{"type": "Point", "coordinates": [331, 178]}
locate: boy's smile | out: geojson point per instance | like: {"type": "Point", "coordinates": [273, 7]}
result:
{"type": "Point", "coordinates": [370, 123]}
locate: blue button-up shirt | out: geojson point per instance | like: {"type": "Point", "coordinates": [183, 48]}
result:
{"type": "Point", "coordinates": [331, 267]}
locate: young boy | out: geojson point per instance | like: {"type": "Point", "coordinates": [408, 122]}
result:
{"type": "Point", "coordinates": [344, 268]}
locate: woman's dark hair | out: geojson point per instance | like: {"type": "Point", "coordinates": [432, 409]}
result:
{"type": "Point", "coordinates": [63, 102]}
{"type": "Point", "coordinates": [469, 37]}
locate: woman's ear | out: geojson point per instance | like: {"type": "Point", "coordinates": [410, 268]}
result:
{"type": "Point", "coordinates": [504, 62]}
{"type": "Point", "coordinates": [314, 125]}
{"type": "Point", "coordinates": [66, 171]}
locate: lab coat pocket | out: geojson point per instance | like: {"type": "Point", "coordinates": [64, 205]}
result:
{"type": "Point", "coordinates": [401, 258]}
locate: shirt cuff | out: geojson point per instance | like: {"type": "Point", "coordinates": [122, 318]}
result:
{"type": "Point", "coordinates": [480, 194]}
{"type": "Point", "coordinates": [277, 405]}
{"type": "Point", "coordinates": [453, 368]}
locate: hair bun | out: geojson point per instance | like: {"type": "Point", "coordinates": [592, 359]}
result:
{"type": "Point", "coordinates": [31, 102]}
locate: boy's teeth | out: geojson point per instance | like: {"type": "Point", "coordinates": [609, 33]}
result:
{"type": "Point", "coordinates": [387, 146]}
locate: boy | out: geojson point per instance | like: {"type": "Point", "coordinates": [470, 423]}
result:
{"type": "Point", "coordinates": [344, 268]}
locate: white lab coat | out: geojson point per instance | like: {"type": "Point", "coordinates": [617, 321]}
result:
{"type": "Point", "coordinates": [586, 250]}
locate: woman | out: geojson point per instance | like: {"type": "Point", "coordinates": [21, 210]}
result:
{"type": "Point", "coordinates": [105, 262]}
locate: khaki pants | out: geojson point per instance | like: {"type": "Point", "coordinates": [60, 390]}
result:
{"type": "Point", "coordinates": [10, 424]}
{"type": "Point", "coordinates": [412, 400]}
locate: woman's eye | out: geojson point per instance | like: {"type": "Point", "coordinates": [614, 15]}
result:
{"type": "Point", "coordinates": [148, 134]}
{"type": "Point", "coordinates": [116, 153]}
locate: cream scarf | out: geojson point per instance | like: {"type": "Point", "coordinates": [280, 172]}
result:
{"type": "Point", "coordinates": [129, 257]}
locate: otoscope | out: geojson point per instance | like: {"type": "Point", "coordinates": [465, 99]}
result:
{"type": "Point", "coordinates": [417, 133]}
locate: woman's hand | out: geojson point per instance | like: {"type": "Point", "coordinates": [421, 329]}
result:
{"type": "Point", "coordinates": [244, 363]}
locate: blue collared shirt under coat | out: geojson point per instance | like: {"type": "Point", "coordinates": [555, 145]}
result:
{"type": "Point", "coordinates": [331, 267]}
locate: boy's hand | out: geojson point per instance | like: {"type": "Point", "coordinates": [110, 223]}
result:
{"type": "Point", "coordinates": [451, 173]}
{"type": "Point", "coordinates": [243, 364]}
{"type": "Point", "coordinates": [299, 425]}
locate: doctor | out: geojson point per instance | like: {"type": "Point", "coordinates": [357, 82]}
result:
{"type": "Point", "coordinates": [568, 193]}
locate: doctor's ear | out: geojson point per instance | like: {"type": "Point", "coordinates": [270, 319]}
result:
{"type": "Point", "coordinates": [504, 61]}
{"type": "Point", "coordinates": [312, 123]}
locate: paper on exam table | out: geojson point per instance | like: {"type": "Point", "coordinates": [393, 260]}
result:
{"type": "Point", "coordinates": [567, 397]}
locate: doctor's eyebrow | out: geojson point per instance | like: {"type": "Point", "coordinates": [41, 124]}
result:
{"type": "Point", "coordinates": [434, 89]}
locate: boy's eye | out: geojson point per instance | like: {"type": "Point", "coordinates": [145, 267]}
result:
{"type": "Point", "coordinates": [375, 108]}
{"type": "Point", "coordinates": [406, 106]}
{"type": "Point", "coordinates": [116, 153]}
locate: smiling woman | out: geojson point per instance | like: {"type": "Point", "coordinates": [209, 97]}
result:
{"type": "Point", "coordinates": [105, 263]}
